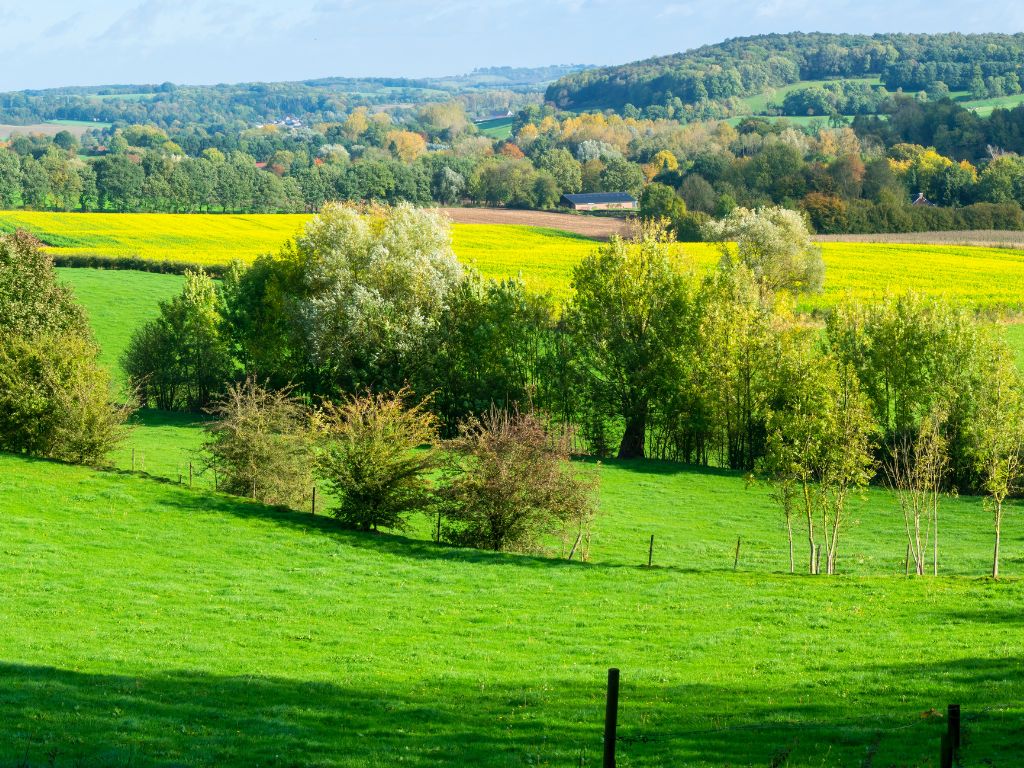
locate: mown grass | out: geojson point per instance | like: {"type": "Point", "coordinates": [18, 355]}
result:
{"type": "Point", "coordinates": [142, 623]}
{"type": "Point", "coordinates": [118, 302]}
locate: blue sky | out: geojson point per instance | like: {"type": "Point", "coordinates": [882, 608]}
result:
{"type": "Point", "coordinates": [63, 42]}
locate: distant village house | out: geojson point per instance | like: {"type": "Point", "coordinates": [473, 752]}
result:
{"type": "Point", "coordinates": [921, 200]}
{"type": "Point", "coordinates": [601, 201]}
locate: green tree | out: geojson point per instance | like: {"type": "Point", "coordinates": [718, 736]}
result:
{"type": "Point", "coordinates": [565, 168]}
{"type": "Point", "coordinates": [998, 431]}
{"type": "Point", "coordinates": [629, 317]}
{"type": "Point", "coordinates": [181, 359]}
{"type": "Point", "coordinates": [10, 179]}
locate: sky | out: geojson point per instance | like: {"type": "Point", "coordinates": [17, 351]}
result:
{"type": "Point", "coordinates": [49, 43]}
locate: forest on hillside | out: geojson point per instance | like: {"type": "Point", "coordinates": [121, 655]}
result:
{"type": "Point", "coordinates": [708, 81]}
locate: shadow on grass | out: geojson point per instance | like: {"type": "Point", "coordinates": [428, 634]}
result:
{"type": "Point", "coordinates": [59, 717]}
{"type": "Point", "coordinates": [659, 467]}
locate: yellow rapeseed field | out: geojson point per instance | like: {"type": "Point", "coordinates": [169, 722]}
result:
{"type": "Point", "coordinates": [544, 258]}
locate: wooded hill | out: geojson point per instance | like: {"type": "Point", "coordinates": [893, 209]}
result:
{"type": "Point", "coordinates": [709, 81]}
{"type": "Point", "coordinates": [483, 91]}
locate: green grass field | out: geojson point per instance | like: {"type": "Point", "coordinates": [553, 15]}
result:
{"type": "Point", "coordinates": [499, 128]}
{"type": "Point", "coordinates": [142, 623]}
{"type": "Point", "coordinates": [989, 278]}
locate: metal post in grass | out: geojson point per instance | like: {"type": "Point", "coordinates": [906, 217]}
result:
{"type": "Point", "coordinates": [736, 561]}
{"type": "Point", "coordinates": [650, 553]}
{"type": "Point", "coordinates": [611, 718]}
{"type": "Point", "coordinates": [953, 725]}
{"type": "Point", "coordinates": [945, 751]}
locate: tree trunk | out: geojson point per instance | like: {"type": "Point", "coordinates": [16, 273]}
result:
{"type": "Point", "coordinates": [634, 438]}
{"type": "Point", "coordinates": [789, 531]}
{"type": "Point", "coordinates": [995, 554]}
{"type": "Point", "coordinates": [810, 525]}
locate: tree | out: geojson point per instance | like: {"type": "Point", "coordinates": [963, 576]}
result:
{"type": "Point", "coordinates": [774, 244]}
{"type": "Point", "coordinates": [485, 349]}
{"type": "Point", "coordinates": [119, 183]}
{"type": "Point", "coordinates": [181, 359]}
{"type": "Point", "coordinates": [373, 459]}
{"type": "Point", "coordinates": [362, 292]}
{"type": "Point", "coordinates": [564, 167]}
{"type": "Point", "coordinates": [54, 395]}
{"type": "Point", "coordinates": [514, 485]}
{"type": "Point", "coordinates": [998, 432]}
{"type": "Point", "coordinates": [10, 179]}
{"type": "Point", "coordinates": [629, 317]}
{"type": "Point", "coordinates": [33, 301]}
{"type": "Point", "coordinates": [660, 202]}
{"type": "Point", "coordinates": [819, 449]}
{"type": "Point", "coordinates": [260, 444]}
{"type": "Point", "coordinates": [915, 471]}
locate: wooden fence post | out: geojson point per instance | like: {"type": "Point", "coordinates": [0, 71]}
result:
{"type": "Point", "coordinates": [133, 458]}
{"type": "Point", "coordinates": [945, 752]}
{"type": "Point", "coordinates": [438, 526]}
{"type": "Point", "coordinates": [736, 562]}
{"type": "Point", "coordinates": [650, 553]}
{"type": "Point", "coordinates": [611, 718]}
{"type": "Point", "coordinates": [314, 500]}
{"type": "Point", "coordinates": [906, 563]}
{"type": "Point", "coordinates": [190, 474]}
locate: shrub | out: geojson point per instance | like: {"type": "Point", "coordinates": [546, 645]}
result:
{"type": "Point", "coordinates": [55, 399]}
{"type": "Point", "coordinates": [514, 485]}
{"type": "Point", "coordinates": [260, 444]}
{"type": "Point", "coordinates": [373, 459]}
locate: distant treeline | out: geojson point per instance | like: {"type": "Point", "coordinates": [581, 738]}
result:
{"type": "Point", "coordinates": [236, 106]}
{"type": "Point", "coordinates": [846, 179]}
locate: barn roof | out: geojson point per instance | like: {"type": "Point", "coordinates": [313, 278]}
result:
{"type": "Point", "coordinates": [589, 198]}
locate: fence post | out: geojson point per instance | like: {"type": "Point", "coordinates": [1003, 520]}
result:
{"type": "Point", "coordinates": [906, 563]}
{"type": "Point", "coordinates": [945, 752]}
{"type": "Point", "coordinates": [650, 552]}
{"type": "Point", "coordinates": [216, 483]}
{"type": "Point", "coordinates": [133, 458]}
{"type": "Point", "coordinates": [190, 474]}
{"type": "Point", "coordinates": [817, 559]}
{"type": "Point", "coordinates": [314, 500]}
{"type": "Point", "coordinates": [611, 718]}
{"type": "Point", "coordinates": [736, 562]}
{"type": "Point", "coordinates": [438, 526]}
{"type": "Point", "coordinates": [953, 726]}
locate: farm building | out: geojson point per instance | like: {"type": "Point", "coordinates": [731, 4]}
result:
{"type": "Point", "coordinates": [601, 201]}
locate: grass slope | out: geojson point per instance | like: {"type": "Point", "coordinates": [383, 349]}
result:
{"type": "Point", "coordinates": [143, 623]}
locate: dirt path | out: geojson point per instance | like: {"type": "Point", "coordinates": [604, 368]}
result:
{"type": "Point", "coordinates": [598, 227]}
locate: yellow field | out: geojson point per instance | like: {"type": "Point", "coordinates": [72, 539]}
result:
{"type": "Point", "coordinates": [982, 277]}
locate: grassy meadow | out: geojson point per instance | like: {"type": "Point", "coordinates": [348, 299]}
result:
{"type": "Point", "coordinates": [143, 623]}
{"type": "Point", "coordinates": [983, 277]}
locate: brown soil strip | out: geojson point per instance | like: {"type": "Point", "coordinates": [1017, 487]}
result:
{"type": "Point", "coordinates": [598, 227]}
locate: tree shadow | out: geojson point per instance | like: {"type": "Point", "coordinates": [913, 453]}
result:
{"type": "Point", "coordinates": [60, 717]}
